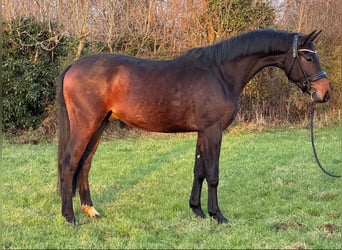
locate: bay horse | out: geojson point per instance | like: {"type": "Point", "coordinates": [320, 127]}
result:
{"type": "Point", "coordinates": [195, 92]}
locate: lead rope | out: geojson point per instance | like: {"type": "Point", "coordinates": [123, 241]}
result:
{"type": "Point", "coordinates": [312, 111]}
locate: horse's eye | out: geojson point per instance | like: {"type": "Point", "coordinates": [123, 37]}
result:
{"type": "Point", "coordinates": [307, 54]}
{"type": "Point", "coordinates": [309, 58]}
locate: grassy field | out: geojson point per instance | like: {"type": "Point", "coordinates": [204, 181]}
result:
{"type": "Point", "coordinates": [270, 190]}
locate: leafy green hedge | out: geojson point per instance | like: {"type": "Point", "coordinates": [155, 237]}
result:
{"type": "Point", "coordinates": [32, 58]}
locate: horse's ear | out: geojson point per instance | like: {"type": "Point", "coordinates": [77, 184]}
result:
{"type": "Point", "coordinates": [312, 36]}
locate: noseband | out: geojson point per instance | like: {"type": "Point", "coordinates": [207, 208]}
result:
{"type": "Point", "coordinates": [306, 85]}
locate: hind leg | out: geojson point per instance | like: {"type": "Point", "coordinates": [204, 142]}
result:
{"type": "Point", "coordinates": [76, 162]}
{"type": "Point", "coordinates": [84, 168]}
{"type": "Point", "coordinates": [70, 161]}
{"type": "Point", "coordinates": [83, 186]}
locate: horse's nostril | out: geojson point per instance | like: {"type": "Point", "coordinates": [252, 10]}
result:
{"type": "Point", "coordinates": [326, 97]}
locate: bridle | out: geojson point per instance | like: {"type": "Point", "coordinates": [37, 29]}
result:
{"type": "Point", "coordinates": [306, 85]}
{"type": "Point", "coordinates": [307, 88]}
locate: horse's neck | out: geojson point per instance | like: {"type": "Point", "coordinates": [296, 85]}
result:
{"type": "Point", "coordinates": [241, 71]}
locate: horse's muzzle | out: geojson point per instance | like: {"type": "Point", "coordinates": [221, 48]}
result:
{"type": "Point", "coordinates": [322, 90]}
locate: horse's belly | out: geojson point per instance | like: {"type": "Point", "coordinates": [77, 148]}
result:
{"type": "Point", "coordinates": [161, 120]}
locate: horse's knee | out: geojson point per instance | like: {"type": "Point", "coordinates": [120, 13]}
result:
{"type": "Point", "coordinates": [212, 181]}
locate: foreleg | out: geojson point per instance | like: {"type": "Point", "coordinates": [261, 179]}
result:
{"type": "Point", "coordinates": [199, 175]}
{"type": "Point", "coordinates": [212, 138]}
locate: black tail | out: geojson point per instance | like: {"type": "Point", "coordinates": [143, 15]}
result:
{"type": "Point", "coordinates": [63, 123]}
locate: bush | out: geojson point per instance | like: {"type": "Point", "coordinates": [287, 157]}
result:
{"type": "Point", "coordinates": [32, 58]}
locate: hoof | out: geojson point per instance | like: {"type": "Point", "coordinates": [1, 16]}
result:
{"type": "Point", "coordinates": [91, 211]}
{"type": "Point", "coordinates": [219, 218]}
{"type": "Point", "coordinates": [198, 212]}
{"type": "Point", "coordinates": [71, 220]}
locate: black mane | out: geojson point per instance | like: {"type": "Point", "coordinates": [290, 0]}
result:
{"type": "Point", "coordinates": [259, 41]}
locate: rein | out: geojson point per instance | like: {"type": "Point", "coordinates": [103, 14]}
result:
{"type": "Point", "coordinates": [312, 111]}
{"type": "Point", "coordinates": [306, 87]}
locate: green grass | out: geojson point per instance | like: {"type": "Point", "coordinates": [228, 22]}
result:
{"type": "Point", "coordinates": [270, 189]}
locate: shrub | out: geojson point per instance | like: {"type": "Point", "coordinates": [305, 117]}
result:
{"type": "Point", "coordinates": [32, 57]}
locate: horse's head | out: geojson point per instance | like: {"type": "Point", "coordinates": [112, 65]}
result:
{"type": "Point", "coordinates": [305, 70]}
